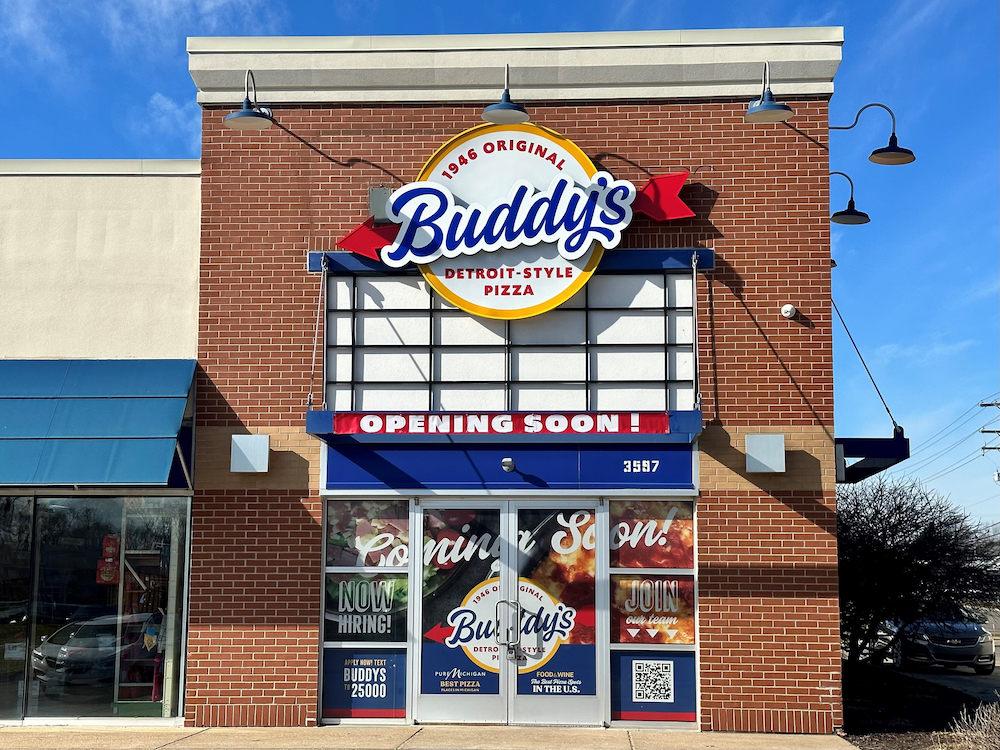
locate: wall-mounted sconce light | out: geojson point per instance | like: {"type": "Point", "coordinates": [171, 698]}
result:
{"type": "Point", "coordinates": [507, 464]}
{"type": "Point", "coordinates": [849, 215]}
{"type": "Point", "coordinates": [505, 112]}
{"type": "Point", "coordinates": [890, 155]}
{"type": "Point", "coordinates": [252, 116]}
{"type": "Point", "coordinates": [789, 311]}
{"type": "Point", "coordinates": [765, 109]}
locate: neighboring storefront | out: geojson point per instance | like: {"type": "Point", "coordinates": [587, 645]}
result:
{"type": "Point", "coordinates": [96, 418]}
{"type": "Point", "coordinates": [491, 423]}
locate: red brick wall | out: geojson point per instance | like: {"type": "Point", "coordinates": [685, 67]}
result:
{"type": "Point", "coordinates": [767, 555]}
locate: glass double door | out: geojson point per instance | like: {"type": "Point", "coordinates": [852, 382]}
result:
{"type": "Point", "coordinates": [509, 621]}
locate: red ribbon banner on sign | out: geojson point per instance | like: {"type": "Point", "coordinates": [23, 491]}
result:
{"type": "Point", "coordinates": [659, 199]}
{"type": "Point", "coordinates": [495, 423]}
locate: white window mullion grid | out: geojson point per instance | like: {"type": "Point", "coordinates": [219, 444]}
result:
{"type": "Point", "coordinates": [599, 353]}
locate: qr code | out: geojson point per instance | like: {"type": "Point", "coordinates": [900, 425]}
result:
{"type": "Point", "coordinates": [652, 681]}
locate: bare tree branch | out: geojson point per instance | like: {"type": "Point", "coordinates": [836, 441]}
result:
{"type": "Point", "coordinates": [907, 554]}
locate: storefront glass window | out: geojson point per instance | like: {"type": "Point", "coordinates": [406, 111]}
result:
{"type": "Point", "coordinates": [366, 602]}
{"type": "Point", "coordinates": [107, 606]}
{"type": "Point", "coordinates": [15, 577]}
{"type": "Point", "coordinates": [652, 534]}
{"type": "Point", "coordinates": [367, 532]}
{"type": "Point", "coordinates": [653, 609]}
{"type": "Point", "coordinates": [624, 342]}
{"type": "Point", "coordinates": [366, 607]}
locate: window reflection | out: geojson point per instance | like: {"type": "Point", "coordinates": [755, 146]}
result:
{"type": "Point", "coordinates": [15, 577]}
{"type": "Point", "coordinates": [106, 611]}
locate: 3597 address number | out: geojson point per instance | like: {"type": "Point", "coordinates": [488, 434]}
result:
{"type": "Point", "coordinates": [644, 466]}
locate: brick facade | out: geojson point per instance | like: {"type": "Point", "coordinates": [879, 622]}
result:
{"type": "Point", "coordinates": [770, 656]}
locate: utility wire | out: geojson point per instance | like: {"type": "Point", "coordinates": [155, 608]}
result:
{"type": "Point", "coordinates": [924, 462]}
{"type": "Point", "coordinates": [980, 502]}
{"type": "Point", "coordinates": [972, 410]}
{"type": "Point", "coordinates": [952, 469]}
{"type": "Point", "coordinates": [966, 459]}
{"type": "Point", "coordinates": [894, 425]}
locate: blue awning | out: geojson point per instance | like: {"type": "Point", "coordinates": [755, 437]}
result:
{"type": "Point", "coordinates": [96, 422]}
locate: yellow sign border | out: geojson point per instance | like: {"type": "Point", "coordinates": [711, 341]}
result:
{"type": "Point", "coordinates": [595, 254]}
{"type": "Point", "coordinates": [520, 670]}
{"type": "Point", "coordinates": [465, 601]}
{"type": "Point", "coordinates": [527, 669]}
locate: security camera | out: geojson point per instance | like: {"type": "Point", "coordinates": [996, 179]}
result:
{"type": "Point", "coordinates": [508, 465]}
{"type": "Point", "coordinates": [789, 311]}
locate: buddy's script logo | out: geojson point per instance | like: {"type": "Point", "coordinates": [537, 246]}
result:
{"type": "Point", "coordinates": [545, 623]}
{"type": "Point", "coordinates": [521, 189]}
{"type": "Point", "coordinates": [573, 217]}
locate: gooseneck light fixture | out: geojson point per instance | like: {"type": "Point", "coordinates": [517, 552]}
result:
{"type": "Point", "coordinates": [890, 155]}
{"type": "Point", "coordinates": [252, 116]}
{"type": "Point", "coordinates": [765, 109]}
{"type": "Point", "coordinates": [849, 215]}
{"type": "Point", "coordinates": [505, 112]}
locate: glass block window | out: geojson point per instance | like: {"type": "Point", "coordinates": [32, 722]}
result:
{"type": "Point", "coordinates": [624, 342]}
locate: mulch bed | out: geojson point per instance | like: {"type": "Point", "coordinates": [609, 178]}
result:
{"type": "Point", "coordinates": [885, 708]}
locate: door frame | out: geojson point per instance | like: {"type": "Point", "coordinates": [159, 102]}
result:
{"type": "Point", "coordinates": [507, 709]}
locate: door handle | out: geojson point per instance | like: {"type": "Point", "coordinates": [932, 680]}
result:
{"type": "Point", "coordinates": [516, 640]}
{"type": "Point", "coordinates": [517, 624]}
{"type": "Point", "coordinates": [496, 633]}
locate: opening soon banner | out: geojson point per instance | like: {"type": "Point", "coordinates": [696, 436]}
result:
{"type": "Point", "coordinates": [496, 423]}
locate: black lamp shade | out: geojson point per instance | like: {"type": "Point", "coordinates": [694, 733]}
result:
{"type": "Point", "coordinates": [850, 215]}
{"type": "Point", "coordinates": [248, 118]}
{"type": "Point", "coordinates": [505, 112]}
{"type": "Point", "coordinates": [892, 154]}
{"type": "Point", "coordinates": [766, 109]}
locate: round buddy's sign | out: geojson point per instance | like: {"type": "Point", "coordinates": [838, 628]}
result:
{"type": "Point", "coordinates": [545, 625]}
{"type": "Point", "coordinates": [508, 221]}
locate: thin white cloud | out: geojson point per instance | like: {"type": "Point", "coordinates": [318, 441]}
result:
{"type": "Point", "coordinates": [808, 17]}
{"type": "Point", "coordinates": [350, 10]}
{"type": "Point", "coordinates": [889, 352]}
{"type": "Point", "coordinates": [623, 13]}
{"type": "Point", "coordinates": [50, 32]}
{"type": "Point", "coordinates": [908, 19]}
{"type": "Point", "coordinates": [159, 25]}
{"type": "Point", "coordinates": [978, 292]}
{"type": "Point", "coordinates": [27, 32]}
{"type": "Point", "coordinates": [165, 120]}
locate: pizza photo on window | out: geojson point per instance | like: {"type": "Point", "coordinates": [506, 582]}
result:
{"type": "Point", "coordinates": [652, 534]}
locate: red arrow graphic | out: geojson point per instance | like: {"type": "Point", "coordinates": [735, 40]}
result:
{"type": "Point", "coordinates": [367, 239]}
{"type": "Point", "coordinates": [439, 633]}
{"type": "Point", "coordinates": [659, 198]}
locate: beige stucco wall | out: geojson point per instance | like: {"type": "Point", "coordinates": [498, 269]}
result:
{"type": "Point", "coordinates": [99, 259]}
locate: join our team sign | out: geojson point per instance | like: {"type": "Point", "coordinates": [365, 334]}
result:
{"type": "Point", "coordinates": [508, 221]}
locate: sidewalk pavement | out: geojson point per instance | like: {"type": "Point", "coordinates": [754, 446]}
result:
{"type": "Point", "coordinates": [400, 738]}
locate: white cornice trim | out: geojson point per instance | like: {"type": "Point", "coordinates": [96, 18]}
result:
{"type": "Point", "coordinates": [544, 67]}
{"type": "Point", "coordinates": [107, 167]}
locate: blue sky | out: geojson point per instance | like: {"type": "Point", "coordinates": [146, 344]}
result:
{"type": "Point", "coordinates": [919, 286]}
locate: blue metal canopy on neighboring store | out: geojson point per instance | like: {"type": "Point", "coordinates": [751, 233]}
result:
{"type": "Point", "coordinates": [96, 422]}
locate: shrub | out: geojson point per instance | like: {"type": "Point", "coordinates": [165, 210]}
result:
{"type": "Point", "coordinates": [978, 730]}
